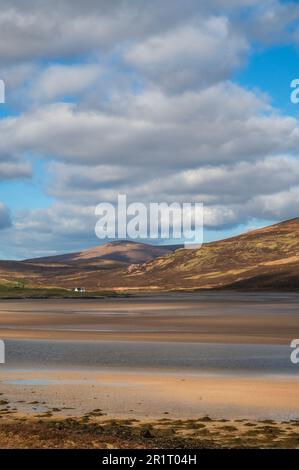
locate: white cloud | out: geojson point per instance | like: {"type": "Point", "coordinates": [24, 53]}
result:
{"type": "Point", "coordinates": [11, 168]}
{"type": "Point", "coordinates": [68, 28]}
{"type": "Point", "coordinates": [273, 22]}
{"type": "Point", "coordinates": [57, 81]}
{"type": "Point", "coordinates": [220, 124]}
{"type": "Point", "coordinates": [156, 114]}
{"type": "Point", "coordinates": [190, 56]}
{"type": "Point", "coordinates": [58, 228]}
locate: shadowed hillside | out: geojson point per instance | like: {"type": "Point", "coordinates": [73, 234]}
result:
{"type": "Point", "coordinates": [263, 258]}
{"type": "Point", "coordinates": [266, 258]}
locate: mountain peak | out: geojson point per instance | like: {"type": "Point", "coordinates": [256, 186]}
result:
{"type": "Point", "coordinates": [118, 251]}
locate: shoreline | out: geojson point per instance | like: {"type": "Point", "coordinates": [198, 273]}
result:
{"type": "Point", "coordinates": [149, 395]}
{"type": "Point", "coordinates": [93, 432]}
{"type": "Point", "coordinates": [178, 395]}
{"type": "Point", "coordinates": [82, 409]}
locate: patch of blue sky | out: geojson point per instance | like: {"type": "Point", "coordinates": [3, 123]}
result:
{"type": "Point", "coordinates": [6, 110]}
{"type": "Point", "coordinates": [27, 192]}
{"type": "Point", "coordinates": [271, 71]}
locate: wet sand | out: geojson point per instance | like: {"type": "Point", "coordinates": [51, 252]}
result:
{"type": "Point", "coordinates": [151, 359]}
{"type": "Point", "coordinates": [229, 318]}
{"type": "Point", "coordinates": [62, 409]}
{"type": "Point", "coordinates": [152, 395]}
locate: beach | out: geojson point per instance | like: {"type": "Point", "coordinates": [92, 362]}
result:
{"type": "Point", "coordinates": [143, 361]}
{"type": "Point", "coordinates": [205, 317]}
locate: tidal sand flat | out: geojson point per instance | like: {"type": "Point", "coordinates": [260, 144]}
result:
{"type": "Point", "coordinates": [220, 358]}
{"type": "Point", "coordinates": [146, 395]}
{"type": "Point", "coordinates": [205, 317]}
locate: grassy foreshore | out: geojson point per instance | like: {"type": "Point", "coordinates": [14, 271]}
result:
{"type": "Point", "coordinates": [95, 431]}
{"type": "Point", "coordinates": [10, 292]}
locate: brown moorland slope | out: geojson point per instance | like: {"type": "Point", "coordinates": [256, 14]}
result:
{"type": "Point", "coordinates": [266, 258]}
{"type": "Point", "coordinates": [116, 252]}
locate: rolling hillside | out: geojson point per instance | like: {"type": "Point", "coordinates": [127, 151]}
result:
{"type": "Point", "coordinates": [114, 253]}
{"type": "Point", "coordinates": [263, 258]}
{"type": "Point", "coordinates": [266, 258]}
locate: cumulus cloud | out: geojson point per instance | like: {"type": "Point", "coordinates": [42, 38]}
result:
{"type": "Point", "coordinates": [191, 56]}
{"type": "Point", "coordinates": [138, 97]}
{"type": "Point", "coordinates": [37, 33]}
{"type": "Point", "coordinates": [232, 194]}
{"type": "Point", "coordinates": [58, 228]}
{"type": "Point", "coordinates": [274, 22]}
{"type": "Point", "coordinates": [69, 28]}
{"type": "Point", "coordinates": [278, 205]}
{"type": "Point", "coordinates": [222, 123]}
{"type": "Point", "coordinates": [34, 30]}
{"type": "Point", "coordinates": [224, 184]}
{"type": "Point", "coordinates": [13, 168]}
{"type": "Point", "coordinates": [233, 183]}
{"type": "Point", "coordinates": [58, 81]}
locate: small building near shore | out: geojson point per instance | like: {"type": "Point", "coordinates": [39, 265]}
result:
{"type": "Point", "coordinates": [79, 289]}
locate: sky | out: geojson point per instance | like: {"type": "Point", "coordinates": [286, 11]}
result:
{"type": "Point", "coordinates": [185, 101]}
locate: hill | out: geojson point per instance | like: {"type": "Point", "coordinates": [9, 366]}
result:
{"type": "Point", "coordinates": [114, 253]}
{"type": "Point", "coordinates": [266, 258]}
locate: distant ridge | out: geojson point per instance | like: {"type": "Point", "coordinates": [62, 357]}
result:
{"type": "Point", "coordinates": [120, 251]}
{"type": "Point", "coordinates": [266, 258]}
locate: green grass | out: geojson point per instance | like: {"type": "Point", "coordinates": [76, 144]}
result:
{"type": "Point", "coordinates": [11, 291]}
